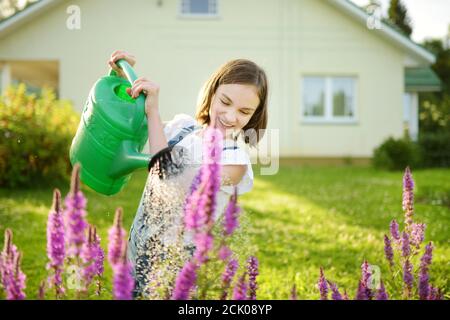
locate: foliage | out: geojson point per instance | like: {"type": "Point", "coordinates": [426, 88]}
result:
{"type": "Point", "coordinates": [398, 15]}
{"type": "Point", "coordinates": [35, 137]}
{"type": "Point", "coordinates": [396, 154]}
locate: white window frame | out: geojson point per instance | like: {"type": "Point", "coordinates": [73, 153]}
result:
{"type": "Point", "coordinates": [328, 108]}
{"type": "Point", "coordinates": [5, 77]}
{"type": "Point", "coordinates": [183, 15]}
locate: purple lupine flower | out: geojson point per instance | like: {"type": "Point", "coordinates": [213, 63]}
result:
{"type": "Point", "coordinates": [123, 282]}
{"type": "Point", "coordinates": [345, 296]}
{"type": "Point", "coordinates": [7, 257]}
{"type": "Point", "coordinates": [192, 218]}
{"type": "Point", "coordinates": [56, 244]}
{"type": "Point", "coordinates": [435, 294]}
{"type": "Point", "coordinates": [41, 292]}
{"type": "Point", "coordinates": [294, 293]}
{"type": "Point", "coordinates": [322, 286]}
{"type": "Point", "coordinates": [417, 234]}
{"type": "Point", "coordinates": [406, 249]}
{"type": "Point", "coordinates": [394, 230]}
{"type": "Point", "coordinates": [224, 253]}
{"type": "Point", "coordinates": [425, 262]}
{"type": "Point", "coordinates": [99, 261]}
{"type": "Point", "coordinates": [382, 294]}
{"type": "Point", "coordinates": [185, 281]}
{"type": "Point", "coordinates": [100, 254]}
{"type": "Point", "coordinates": [252, 269]}
{"type": "Point", "coordinates": [388, 252]}
{"type": "Point", "coordinates": [335, 294]}
{"type": "Point", "coordinates": [408, 198]}
{"type": "Point", "coordinates": [201, 202]}
{"type": "Point", "coordinates": [240, 290]}
{"type": "Point", "coordinates": [366, 274]}
{"type": "Point", "coordinates": [116, 239]}
{"type": "Point", "coordinates": [16, 287]}
{"type": "Point", "coordinates": [199, 211]}
{"type": "Point", "coordinates": [13, 279]}
{"type": "Point", "coordinates": [230, 221]}
{"type": "Point", "coordinates": [75, 215]}
{"type": "Point", "coordinates": [361, 293]}
{"type": "Point", "coordinates": [408, 277]}
{"type": "Point", "coordinates": [90, 257]}
{"type": "Point", "coordinates": [196, 181]}
{"type": "Point", "coordinates": [227, 277]}
{"type": "Point", "coordinates": [203, 244]}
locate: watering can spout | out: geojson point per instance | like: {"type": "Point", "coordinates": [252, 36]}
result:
{"type": "Point", "coordinates": [128, 160]}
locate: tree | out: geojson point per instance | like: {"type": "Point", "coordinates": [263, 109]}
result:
{"type": "Point", "coordinates": [398, 15]}
{"type": "Point", "coordinates": [442, 64]}
{"type": "Point", "coordinates": [434, 110]}
{"type": "Point", "coordinates": [11, 7]}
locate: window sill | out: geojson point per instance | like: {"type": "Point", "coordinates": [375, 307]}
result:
{"type": "Point", "coordinates": [199, 16]}
{"type": "Point", "coordinates": [329, 121]}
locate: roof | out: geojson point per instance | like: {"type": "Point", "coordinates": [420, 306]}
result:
{"type": "Point", "coordinates": [345, 6]}
{"type": "Point", "coordinates": [29, 12]}
{"type": "Point", "coordinates": [421, 80]}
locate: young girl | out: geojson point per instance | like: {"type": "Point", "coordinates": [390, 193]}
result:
{"type": "Point", "coordinates": [234, 100]}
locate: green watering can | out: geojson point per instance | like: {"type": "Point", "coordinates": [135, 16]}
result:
{"type": "Point", "coordinates": [111, 134]}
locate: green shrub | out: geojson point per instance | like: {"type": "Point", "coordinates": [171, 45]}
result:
{"type": "Point", "coordinates": [35, 137]}
{"type": "Point", "coordinates": [396, 154]}
{"type": "Point", "coordinates": [435, 148]}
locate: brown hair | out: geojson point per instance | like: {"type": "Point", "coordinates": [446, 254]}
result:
{"type": "Point", "coordinates": [239, 71]}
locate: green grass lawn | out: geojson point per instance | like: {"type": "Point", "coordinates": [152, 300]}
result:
{"type": "Point", "coordinates": [296, 221]}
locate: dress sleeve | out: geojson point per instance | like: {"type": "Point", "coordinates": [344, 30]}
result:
{"type": "Point", "coordinates": [178, 122]}
{"type": "Point", "coordinates": [238, 156]}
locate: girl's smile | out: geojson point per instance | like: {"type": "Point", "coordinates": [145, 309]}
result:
{"type": "Point", "coordinates": [232, 107]}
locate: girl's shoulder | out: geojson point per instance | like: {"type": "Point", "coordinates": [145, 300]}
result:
{"type": "Point", "coordinates": [178, 122]}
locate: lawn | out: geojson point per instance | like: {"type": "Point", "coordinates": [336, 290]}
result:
{"type": "Point", "coordinates": [295, 222]}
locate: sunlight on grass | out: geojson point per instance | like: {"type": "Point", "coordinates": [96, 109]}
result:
{"type": "Point", "coordinates": [296, 221]}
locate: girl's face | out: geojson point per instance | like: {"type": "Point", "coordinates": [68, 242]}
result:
{"type": "Point", "coordinates": [232, 106]}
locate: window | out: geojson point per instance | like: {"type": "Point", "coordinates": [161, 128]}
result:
{"type": "Point", "coordinates": [35, 74]}
{"type": "Point", "coordinates": [329, 99]}
{"type": "Point", "coordinates": [199, 7]}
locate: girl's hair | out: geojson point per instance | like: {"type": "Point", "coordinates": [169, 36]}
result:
{"type": "Point", "coordinates": [239, 71]}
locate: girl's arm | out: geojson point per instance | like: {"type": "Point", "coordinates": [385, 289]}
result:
{"type": "Point", "coordinates": [156, 137]}
{"type": "Point", "coordinates": [232, 174]}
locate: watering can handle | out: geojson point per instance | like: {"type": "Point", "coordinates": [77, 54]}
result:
{"type": "Point", "coordinates": [127, 69]}
{"type": "Point", "coordinates": [140, 100]}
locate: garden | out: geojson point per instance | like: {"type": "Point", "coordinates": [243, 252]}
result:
{"type": "Point", "coordinates": [308, 232]}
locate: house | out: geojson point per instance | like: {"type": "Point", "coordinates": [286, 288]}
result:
{"type": "Point", "coordinates": [338, 85]}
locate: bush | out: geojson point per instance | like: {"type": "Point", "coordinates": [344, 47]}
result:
{"type": "Point", "coordinates": [35, 137]}
{"type": "Point", "coordinates": [435, 148]}
{"type": "Point", "coordinates": [396, 154]}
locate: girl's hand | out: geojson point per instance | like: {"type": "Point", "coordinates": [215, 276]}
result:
{"type": "Point", "coordinates": [150, 90]}
{"type": "Point", "coordinates": [118, 54]}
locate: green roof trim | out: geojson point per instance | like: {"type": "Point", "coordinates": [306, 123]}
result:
{"type": "Point", "coordinates": [421, 79]}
